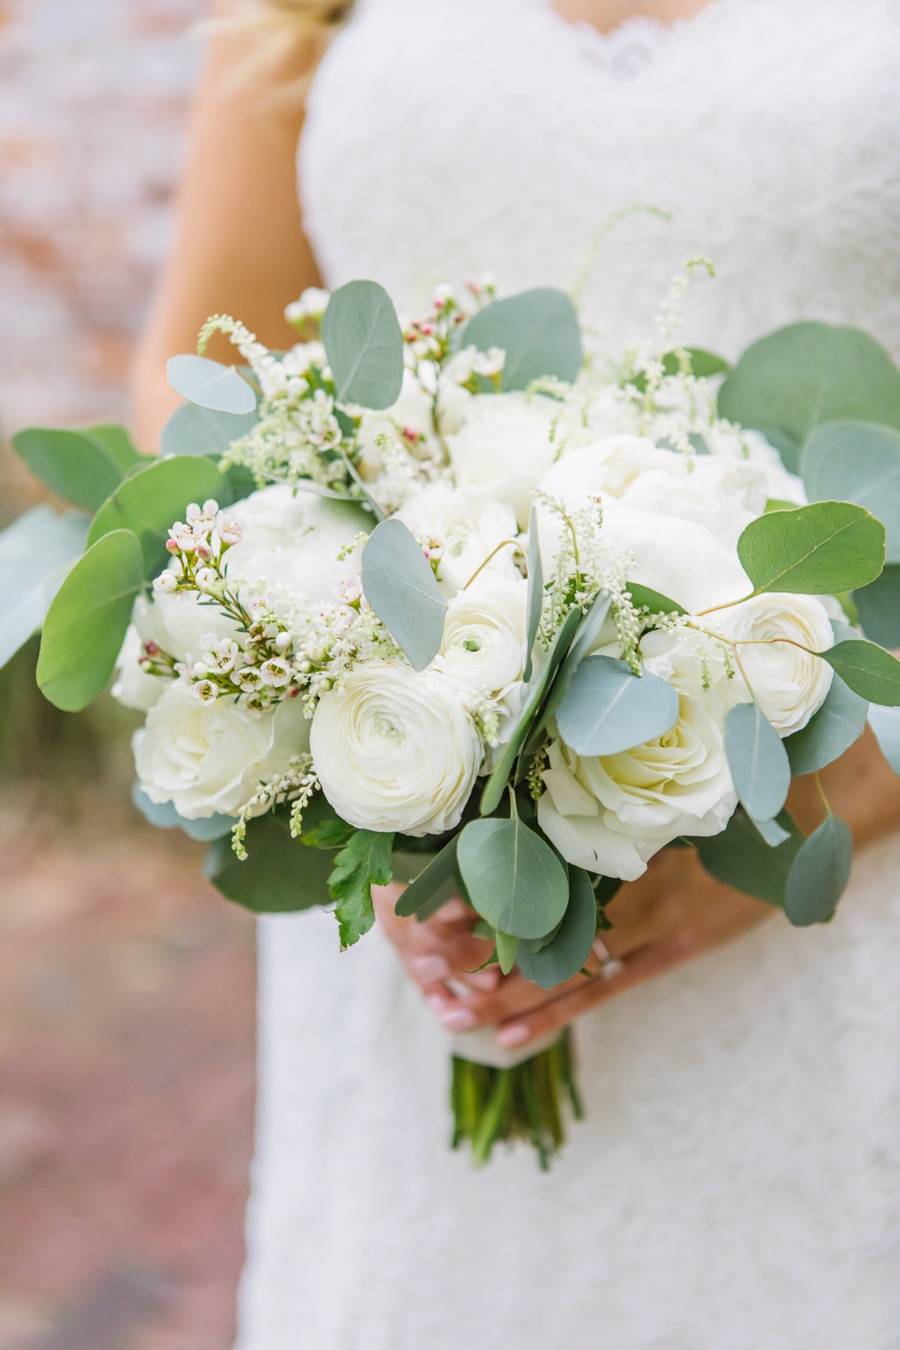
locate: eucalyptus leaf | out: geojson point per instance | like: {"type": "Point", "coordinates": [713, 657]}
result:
{"type": "Point", "coordinates": [76, 465]}
{"type": "Point", "coordinates": [401, 588]}
{"type": "Point", "coordinates": [885, 722]}
{"type": "Point", "coordinates": [535, 598]}
{"type": "Point", "coordinates": [165, 817]}
{"type": "Point", "coordinates": [758, 761]}
{"type": "Point", "coordinates": [819, 874]}
{"type": "Point", "coordinates": [859, 462]}
{"type": "Point", "coordinates": [364, 345]}
{"type": "Point", "coordinates": [192, 430]}
{"type": "Point", "coordinates": [279, 875]}
{"type": "Point", "coordinates": [869, 670]}
{"type": "Point", "coordinates": [513, 879]}
{"type": "Point", "coordinates": [118, 442]}
{"type": "Point", "coordinates": [878, 606]}
{"type": "Point", "coordinates": [537, 329]}
{"type": "Point", "coordinates": [87, 619]}
{"type": "Point", "coordinates": [496, 783]}
{"type": "Point", "coordinates": [562, 958]}
{"type": "Point", "coordinates": [819, 549]}
{"type": "Point", "coordinates": [829, 732]}
{"type": "Point", "coordinates": [36, 552]}
{"type": "Point", "coordinates": [209, 384]}
{"type": "Point", "coordinates": [643, 597]}
{"type": "Point", "coordinates": [150, 502]}
{"type": "Point", "coordinates": [740, 857]}
{"type": "Point", "coordinates": [588, 632]}
{"type": "Point", "coordinates": [439, 870]}
{"type": "Point", "coordinates": [607, 709]}
{"type": "Point", "coordinates": [794, 380]}
{"type": "Point", "coordinates": [507, 950]}
{"type": "Point", "coordinates": [771, 831]}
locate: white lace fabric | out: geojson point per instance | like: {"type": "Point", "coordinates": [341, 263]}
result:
{"type": "Point", "coordinates": [736, 1185]}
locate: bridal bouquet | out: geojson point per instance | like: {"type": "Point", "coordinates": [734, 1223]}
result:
{"type": "Point", "coordinates": [454, 604]}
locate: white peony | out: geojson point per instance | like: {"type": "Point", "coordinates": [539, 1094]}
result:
{"type": "Point", "coordinates": [789, 684]}
{"type": "Point", "coordinates": [484, 634]}
{"type": "Point", "coordinates": [469, 527]}
{"type": "Point", "coordinates": [505, 445]}
{"type": "Point", "coordinates": [396, 750]}
{"type": "Point", "coordinates": [210, 757]}
{"type": "Point", "coordinates": [610, 814]}
{"type": "Point", "coordinates": [294, 538]}
{"type": "Point", "coordinates": [411, 414]}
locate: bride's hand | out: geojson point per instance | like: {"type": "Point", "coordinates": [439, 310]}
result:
{"type": "Point", "coordinates": [673, 913]}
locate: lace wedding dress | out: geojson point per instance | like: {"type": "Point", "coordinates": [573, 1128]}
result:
{"type": "Point", "coordinates": [736, 1185]}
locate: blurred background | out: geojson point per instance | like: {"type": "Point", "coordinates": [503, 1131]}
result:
{"type": "Point", "coordinates": [126, 984]}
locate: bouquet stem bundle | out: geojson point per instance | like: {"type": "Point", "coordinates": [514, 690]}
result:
{"type": "Point", "coordinates": [528, 1101]}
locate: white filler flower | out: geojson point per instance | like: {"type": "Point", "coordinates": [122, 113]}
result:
{"type": "Point", "coordinates": [610, 814]}
{"type": "Point", "coordinates": [789, 684]}
{"type": "Point", "coordinates": [505, 445]}
{"type": "Point", "coordinates": [396, 750]}
{"type": "Point", "coordinates": [211, 757]}
{"type": "Point", "coordinates": [484, 634]}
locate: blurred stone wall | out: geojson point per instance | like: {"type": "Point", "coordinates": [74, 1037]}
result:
{"type": "Point", "coordinates": [92, 102]}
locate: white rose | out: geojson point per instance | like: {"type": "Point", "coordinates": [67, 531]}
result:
{"type": "Point", "coordinates": [484, 634]}
{"type": "Point", "coordinates": [789, 684]}
{"type": "Point", "coordinates": [505, 445]}
{"type": "Point", "coordinates": [396, 750]}
{"type": "Point", "coordinates": [210, 757]}
{"type": "Point", "coordinates": [469, 527]}
{"type": "Point", "coordinates": [610, 814]}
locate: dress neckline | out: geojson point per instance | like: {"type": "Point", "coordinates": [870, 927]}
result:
{"type": "Point", "coordinates": [634, 24]}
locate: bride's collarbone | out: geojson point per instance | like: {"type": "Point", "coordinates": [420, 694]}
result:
{"type": "Point", "coordinates": [606, 15]}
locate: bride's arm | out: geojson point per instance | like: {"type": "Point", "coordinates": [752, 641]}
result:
{"type": "Point", "coordinates": [674, 912]}
{"type": "Point", "coordinates": [239, 247]}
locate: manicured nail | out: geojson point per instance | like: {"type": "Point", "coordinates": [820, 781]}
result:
{"type": "Point", "coordinates": [438, 1001]}
{"type": "Point", "coordinates": [517, 1034]}
{"type": "Point", "coordinates": [459, 1019]}
{"type": "Point", "coordinates": [484, 979]}
{"type": "Point", "coordinates": [430, 968]}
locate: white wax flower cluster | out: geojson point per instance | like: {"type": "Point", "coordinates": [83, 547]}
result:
{"type": "Point", "coordinates": [259, 648]}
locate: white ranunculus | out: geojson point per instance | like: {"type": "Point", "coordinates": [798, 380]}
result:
{"type": "Point", "coordinates": [210, 757]}
{"type": "Point", "coordinates": [789, 684]}
{"type": "Point", "coordinates": [505, 445]}
{"type": "Point", "coordinates": [396, 750]}
{"type": "Point", "coordinates": [610, 814]}
{"type": "Point", "coordinates": [469, 526]}
{"type": "Point", "coordinates": [484, 634]}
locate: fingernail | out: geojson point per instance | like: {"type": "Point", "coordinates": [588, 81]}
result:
{"type": "Point", "coordinates": [459, 1019]}
{"type": "Point", "coordinates": [437, 1001]}
{"type": "Point", "coordinates": [429, 968]}
{"type": "Point", "coordinates": [484, 979]}
{"type": "Point", "coordinates": [452, 911]}
{"type": "Point", "coordinates": [517, 1034]}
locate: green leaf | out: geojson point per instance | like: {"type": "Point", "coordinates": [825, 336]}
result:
{"type": "Point", "coordinates": [364, 345]}
{"type": "Point", "coordinates": [829, 732]}
{"type": "Point", "coordinates": [794, 380]}
{"type": "Point", "coordinates": [279, 876]}
{"type": "Point", "coordinates": [643, 597]}
{"type": "Point", "coordinates": [868, 669]}
{"type": "Point", "coordinates": [36, 552]}
{"type": "Point", "coordinates": [819, 875]}
{"type": "Point", "coordinates": [76, 465]}
{"type": "Point", "coordinates": [878, 606]}
{"type": "Point", "coordinates": [401, 588]}
{"type": "Point", "coordinates": [857, 462]}
{"type": "Point", "coordinates": [439, 870]}
{"type": "Point", "coordinates": [210, 384]}
{"type": "Point", "coordinates": [587, 634]}
{"type": "Point", "coordinates": [496, 784]}
{"type": "Point", "coordinates": [507, 949]}
{"type": "Point", "coordinates": [817, 550]}
{"type": "Point", "coordinates": [192, 430]}
{"type": "Point", "coordinates": [771, 831]}
{"type": "Point", "coordinates": [885, 722]}
{"type": "Point", "coordinates": [151, 501]}
{"type": "Point", "coordinates": [165, 817]}
{"type": "Point", "coordinates": [566, 954]}
{"type": "Point", "coordinates": [118, 442]}
{"type": "Point", "coordinates": [513, 879]}
{"type": "Point", "coordinates": [741, 858]}
{"type": "Point", "coordinates": [86, 622]}
{"type": "Point", "coordinates": [758, 761]}
{"type": "Point", "coordinates": [537, 329]}
{"type": "Point", "coordinates": [607, 709]}
{"type": "Point", "coordinates": [535, 598]}
{"type": "Point", "coordinates": [365, 862]}
{"type": "Point", "coordinates": [705, 364]}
